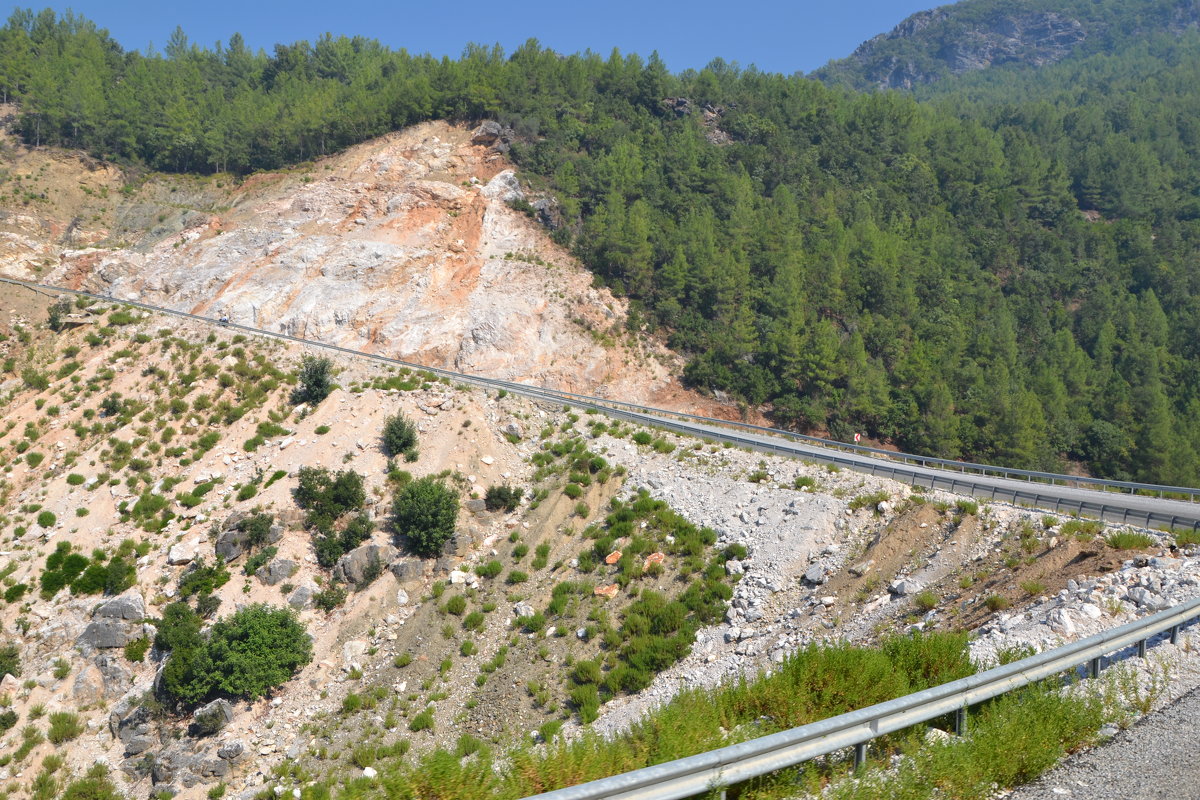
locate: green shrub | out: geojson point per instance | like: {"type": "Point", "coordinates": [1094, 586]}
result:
{"type": "Point", "coordinates": [46, 519]}
{"type": "Point", "coordinates": [456, 605]}
{"type": "Point", "coordinates": [321, 430]}
{"type": "Point", "coordinates": [402, 660]}
{"type": "Point", "coordinates": [422, 721]}
{"type": "Point", "coordinates": [75, 479]}
{"type": "Point", "coordinates": [643, 438]}
{"type": "Point", "coordinates": [331, 597]}
{"type": "Point", "coordinates": [573, 491]}
{"type": "Point", "coordinates": [202, 578]}
{"type": "Point", "coordinates": [871, 500]}
{"type": "Point", "coordinates": [399, 435]}
{"type": "Point", "coordinates": [244, 655]}
{"type": "Point", "coordinates": [426, 511]}
{"type": "Point", "coordinates": [135, 651]}
{"type": "Point", "coordinates": [995, 602]}
{"type": "Point", "coordinates": [502, 496]}
{"type": "Point", "coordinates": [314, 381]}
{"type": "Point", "coordinates": [8, 720]}
{"type": "Point", "coordinates": [1187, 538]}
{"type": "Point", "coordinates": [489, 570]}
{"type": "Point", "coordinates": [516, 576]}
{"type": "Point", "coordinates": [474, 621]}
{"type": "Point", "coordinates": [95, 786]}
{"type": "Point", "coordinates": [64, 726]}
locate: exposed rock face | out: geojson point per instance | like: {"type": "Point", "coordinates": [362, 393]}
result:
{"type": "Point", "coordinates": [115, 623]}
{"type": "Point", "coordinates": [404, 246]}
{"type": "Point", "coordinates": [212, 717]}
{"type": "Point", "coordinates": [128, 606]}
{"type": "Point", "coordinates": [947, 45]}
{"type": "Point", "coordinates": [357, 565]}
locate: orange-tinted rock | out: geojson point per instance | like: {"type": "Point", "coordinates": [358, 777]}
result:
{"type": "Point", "coordinates": [609, 592]}
{"type": "Point", "coordinates": [654, 558]}
{"type": "Point", "coordinates": [613, 557]}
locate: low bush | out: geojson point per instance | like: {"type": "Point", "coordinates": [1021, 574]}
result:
{"type": "Point", "coordinates": [502, 496]}
{"type": "Point", "coordinates": [64, 726]}
{"type": "Point", "coordinates": [399, 435]}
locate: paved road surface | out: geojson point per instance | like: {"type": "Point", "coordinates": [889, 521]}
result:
{"type": "Point", "coordinates": [1154, 760]}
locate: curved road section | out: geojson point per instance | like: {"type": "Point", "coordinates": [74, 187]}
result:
{"type": "Point", "coordinates": [1060, 493]}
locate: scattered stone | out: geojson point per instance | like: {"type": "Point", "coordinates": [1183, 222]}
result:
{"type": "Point", "coordinates": [182, 553]}
{"type": "Point", "coordinates": [905, 587]}
{"type": "Point", "coordinates": [861, 568]}
{"type": "Point", "coordinates": [608, 592]}
{"type": "Point", "coordinates": [612, 557]}
{"type": "Point", "coordinates": [815, 575]}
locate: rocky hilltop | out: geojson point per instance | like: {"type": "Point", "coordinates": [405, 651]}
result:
{"type": "Point", "coordinates": [971, 36]}
{"type": "Point", "coordinates": [419, 245]}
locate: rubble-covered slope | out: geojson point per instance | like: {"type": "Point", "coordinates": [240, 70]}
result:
{"type": "Point", "coordinates": [144, 444]}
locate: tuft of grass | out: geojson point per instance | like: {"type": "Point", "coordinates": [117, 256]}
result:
{"type": "Point", "coordinates": [1033, 588]}
{"type": "Point", "coordinates": [995, 602]}
{"type": "Point", "coordinates": [871, 500]}
{"type": "Point", "coordinates": [1129, 540]}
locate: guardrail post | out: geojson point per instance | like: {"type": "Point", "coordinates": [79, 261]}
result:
{"type": "Point", "coordinates": [1142, 649]}
{"type": "Point", "coordinates": [1094, 666]}
{"type": "Point", "coordinates": [1174, 634]}
{"type": "Point", "coordinates": [860, 755]}
{"type": "Point", "coordinates": [960, 721]}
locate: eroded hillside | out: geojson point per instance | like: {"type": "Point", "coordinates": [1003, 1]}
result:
{"type": "Point", "coordinates": [407, 245]}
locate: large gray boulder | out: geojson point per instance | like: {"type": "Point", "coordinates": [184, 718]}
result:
{"type": "Point", "coordinates": [276, 572]}
{"type": "Point", "coordinates": [233, 542]}
{"type": "Point", "coordinates": [357, 565]}
{"type": "Point", "coordinates": [302, 597]}
{"type": "Point", "coordinates": [128, 606]}
{"type": "Point", "coordinates": [212, 717]}
{"type": "Point", "coordinates": [231, 750]}
{"type": "Point", "coordinates": [105, 633]}
{"type": "Point", "coordinates": [408, 569]}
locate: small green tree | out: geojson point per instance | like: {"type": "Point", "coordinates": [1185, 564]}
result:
{"type": "Point", "coordinates": [399, 435]}
{"type": "Point", "coordinates": [58, 314]}
{"type": "Point", "coordinates": [426, 511]}
{"type": "Point", "coordinates": [314, 381]}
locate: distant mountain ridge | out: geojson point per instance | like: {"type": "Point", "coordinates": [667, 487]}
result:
{"type": "Point", "coordinates": [978, 34]}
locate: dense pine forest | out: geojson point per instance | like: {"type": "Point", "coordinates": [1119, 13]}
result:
{"type": "Point", "coordinates": [1002, 268]}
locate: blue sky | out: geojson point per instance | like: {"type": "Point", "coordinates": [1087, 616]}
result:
{"type": "Point", "coordinates": [774, 35]}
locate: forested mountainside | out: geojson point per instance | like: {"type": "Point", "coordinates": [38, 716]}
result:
{"type": "Point", "coordinates": [1008, 276]}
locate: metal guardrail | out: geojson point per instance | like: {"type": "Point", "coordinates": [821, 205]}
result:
{"type": "Point", "coordinates": [829, 452]}
{"type": "Point", "coordinates": [728, 766]}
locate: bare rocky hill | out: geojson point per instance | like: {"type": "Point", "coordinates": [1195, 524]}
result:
{"type": "Point", "coordinates": [413, 245]}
